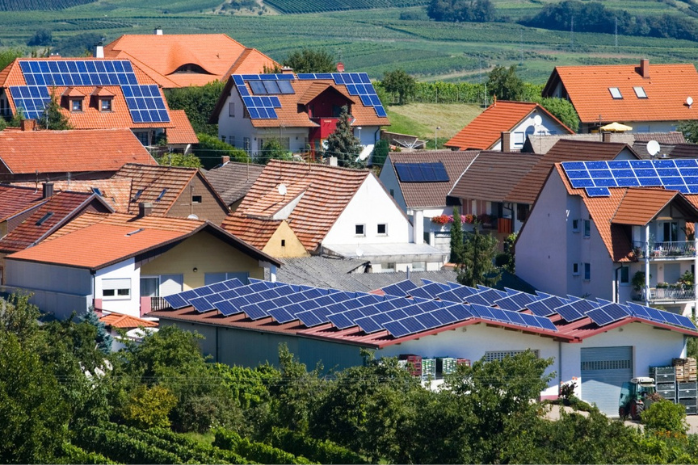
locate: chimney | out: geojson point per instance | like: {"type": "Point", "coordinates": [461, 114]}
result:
{"type": "Point", "coordinates": [145, 209]}
{"type": "Point", "coordinates": [286, 70]}
{"type": "Point", "coordinates": [99, 50]}
{"type": "Point", "coordinates": [225, 159]}
{"type": "Point", "coordinates": [28, 125]}
{"type": "Point", "coordinates": [645, 68]}
{"type": "Point", "coordinates": [48, 190]}
{"type": "Point", "coordinates": [332, 161]}
{"type": "Point", "coordinates": [158, 31]}
{"type": "Point", "coordinates": [606, 136]}
{"type": "Point", "coordinates": [506, 141]}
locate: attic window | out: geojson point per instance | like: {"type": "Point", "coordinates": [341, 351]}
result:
{"type": "Point", "coordinates": [105, 104]}
{"type": "Point", "coordinates": [43, 219]}
{"type": "Point", "coordinates": [133, 233]}
{"type": "Point", "coordinates": [640, 92]}
{"type": "Point", "coordinates": [75, 104]}
{"type": "Point", "coordinates": [162, 194]}
{"type": "Point", "coordinates": [95, 190]}
{"type": "Point", "coordinates": [138, 194]}
{"type": "Point", "coordinates": [615, 92]}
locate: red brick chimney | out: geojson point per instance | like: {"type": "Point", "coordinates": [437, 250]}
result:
{"type": "Point", "coordinates": [645, 68]}
{"type": "Point", "coordinates": [28, 125]}
{"type": "Point", "coordinates": [606, 136]}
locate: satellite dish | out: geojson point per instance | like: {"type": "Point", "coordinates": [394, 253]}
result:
{"type": "Point", "coordinates": [653, 147]}
{"type": "Point", "coordinates": [689, 101]}
{"type": "Point", "coordinates": [359, 252]}
{"type": "Point", "coordinates": [537, 120]}
{"type": "Point", "coordinates": [282, 189]}
{"type": "Point", "coordinates": [192, 217]}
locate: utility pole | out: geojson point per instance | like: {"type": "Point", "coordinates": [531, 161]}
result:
{"type": "Point", "coordinates": [572, 32]}
{"type": "Point", "coordinates": [616, 35]}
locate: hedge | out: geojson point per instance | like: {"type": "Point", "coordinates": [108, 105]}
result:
{"type": "Point", "coordinates": [74, 454]}
{"type": "Point", "coordinates": [122, 447]}
{"type": "Point", "coordinates": [314, 449]}
{"type": "Point", "coordinates": [258, 451]}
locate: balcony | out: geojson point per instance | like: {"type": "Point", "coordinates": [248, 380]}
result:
{"type": "Point", "coordinates": [665, 250]}
{"type": "Point", "coordinates": [674, 293]}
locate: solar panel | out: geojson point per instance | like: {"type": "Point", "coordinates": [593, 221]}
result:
{"type": "Point", "coordinates": [421, 172]}
{"type": "Point", "coordinates": [461, 312]}
{"type": "Point", "coordinates": [546, 324]}
{"type": "Point", "coordinates": [255, 313]}
{"type": "Point", "coordinates": [281, 315]}
{"type": "Point", "coordinates": [400, 289]}
{"type": "Point", "coordinates": [412, 324]}
{"type": "Point", "coordinates": [176, 301]}
{"type": "Point", "coordinates": [310, 318]}
{"type": "Point", "coordinates": [508, 304]}
{"type": "Point", "coordinates": [227, 308]}
{"type": "Point", "coordinates": [428, 320]}
{"type": "Point", "coordinates": [341, 320]}
{"type": "Point", "coordinates": [616, 311]}
{"type": "Point", "coordinates": [32, 99]}
{"type": "Point", "coordinates": [396, 329]}
{"type": "Point", "coordinates": [429, 291]}
{"type": "Point", "coordinates": [539, 308]}
{"type": "Point", "coordinates": [569, 313]}
{"type": "Point", "coordinates": [600, 317]}
{"type": "Point", "coordinates": [368, 325]}
{"type": "Point", "coordinates": [187, 295]}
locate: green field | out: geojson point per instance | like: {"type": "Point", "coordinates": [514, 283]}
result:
{"type": "Point", "coordinates": [370, 40]}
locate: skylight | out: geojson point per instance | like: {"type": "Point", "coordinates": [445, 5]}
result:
{"type": "Point", "coordinates": [640, 92]}
{"type": "Point", "coordinates": [138, 194]}
{"type": "Point", "coordinates": [615, 92]}
{"type": "Point", "coordinates": [43, 219]}
{"type": "Point", "coordinates": [95, 190]}
{"type": "Point", "coordinates": [162, 194]}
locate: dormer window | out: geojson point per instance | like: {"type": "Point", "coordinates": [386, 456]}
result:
{"type": "Point", "coordinates": [615, 92]}
{"type": "Point", "coordinates": [75, 104]}
{"type": "Point", "coordinates": [640, 92]}
{"type": "Point", "coordinates": [105, 104]}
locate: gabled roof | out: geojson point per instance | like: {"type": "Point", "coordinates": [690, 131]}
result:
{"type": "Point", "coordinates": [667, 88]}
{"type": "Point", "coordinates": [529, 186]}
{"type": "Point", "coordinates": [24, 152]}
{"type": "Point", "coordinates": [640, 206]}
{"type": "Point", "coordinates": [182, 131]}
{"type": "Point", "coordinates": [114, 191]}
{"type": "Point", "coordinates": [255, 231]}
{"type": "Point", "coordinates": [214, 56]}
{"type": "Point", "coordinates": [291, 109]}
{"type": "Point", "coordinates": [486, 129]}
{"type": "Point", "coordinates": [118, 320]}
{"type": "Point", "coordinates": [232, 180]}
{"type": "Point", "coordinates": [15, 200]}
{"type": "Point", "coordinates": [322, 193]}
{"type": "Point", "coordinates": [493, 175]}
{"type": "Point", "coordinates": [431, 194]}
{"type": "Point", "coordinates": [51, 215]}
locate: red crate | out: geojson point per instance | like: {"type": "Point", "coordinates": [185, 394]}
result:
{"type": "Point", "coordinates": [463, 361]}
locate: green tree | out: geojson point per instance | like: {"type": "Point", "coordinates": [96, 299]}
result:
{"type": "Point", "coordinates": [689, 129]}
{"type": "Point", "coordinates": [198, 103]}
{"type": "Point", "coordinates": [104, 339]}
{"type": "Point", "coordinates": [272, 150]}
{"type": "Point", "coordinates": [562, 109]}
{"type": "Point", "coordinates": [457, 245]}
{"type": "Point", "coordinates": [40, 38]}
{"type": "Point", "coordinates": [481, 11]}
{"type": "Point", "coordinates": [343, 144]}
{"type": "Point", "coordinates": [188, 160]}
{"type": "Point", "coordinates": [53, 118]}
{"type": "Point", "coordinates": [400, 83]}
{"type": "Point", "coordinates": [8, 56]}
{"type": "Point", "coordinates": [478, 259]}
{"type": "Point", "coordinates": [380, 153]}
{"type": "Point", "coordinates": [79, 45]}
{"type": "Point", "coordinates": [505, 84]}
{"type": "Point", "coordinates": [310, 60]}
{"type": "Point", "coordinates": [149, 407]}
{"type": "Point", "coordinates": [210, 150]}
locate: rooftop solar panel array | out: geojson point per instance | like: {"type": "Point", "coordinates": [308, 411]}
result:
{"type": "Point", "coordinates": [358, 84]}
{"type": "Point", "coordinates": [598, 176]}
{"type": "Point", "coordinates": [145, 103]}
{"type": "Point", "coordinates": [31, 99]}
{"type": "Point", "coordinates": [421, 172]}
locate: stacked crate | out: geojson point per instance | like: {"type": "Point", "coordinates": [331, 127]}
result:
{"type": "Point", "coordinates": [445, 366]}
{"type": "Point", "coordinates": [428, 368]}
{"type": "Point", "coordinates": [686, 385]}
{"type": "Point", "coordinates": [413, 363]}
{"type": "Point", "coordinates": [665, 380]}
{"type": "Point", "coordinates": [685, 369]}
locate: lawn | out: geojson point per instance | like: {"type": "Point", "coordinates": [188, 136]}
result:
{"type": "Point", "coordinates": [421, 119]}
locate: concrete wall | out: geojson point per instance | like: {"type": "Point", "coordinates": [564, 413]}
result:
{"type": "Point", "coordinates": [292, 247]}
{"type": "Point", "coordinates": [129, 305]}
{"type": "Point", "coordinates": [46, 277]}
{"type": "Point", "coordinates": [208, 209]}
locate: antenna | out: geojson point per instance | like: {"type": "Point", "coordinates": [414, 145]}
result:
{"type": "Point", "coordinates": [537, 120]}
{"type": "Point", "coordinates": [689, 101]}
{"type": "Point", "coordinates": [282, 189]}
{"type": "Point", "coordinates": [653, 147]}
{"type": "Point", "coordinates": [616, 33]}
{"type": "Point", "coordinates": [572, 32]}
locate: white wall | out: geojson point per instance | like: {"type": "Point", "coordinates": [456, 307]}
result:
{"type": "Point", "coordinates": [390, 181]}
{"type": "Point", "coordinates": [370, 206]}
{"type": "Point", "coordinates": [527, 127]}
{"type": "Point", "coordinates": [123, 270]}
{"type": "Point", "coordinates": [367, 135]}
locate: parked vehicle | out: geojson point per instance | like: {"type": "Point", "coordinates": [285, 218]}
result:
{"type": "Point", "coordinates": [635, 396]}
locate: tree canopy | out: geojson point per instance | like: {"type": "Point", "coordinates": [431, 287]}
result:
{"type": "Point", "coordinates": [310, 60]}
{"type": "Point", "coordinates": [198, 103]}
{"type": "Point", "coordinates": [471, 11]}
{"type": "Point", "coordinates": [400, 83]}
{"type": "Point", "coordinates": [479, 253]}
{"type": "Point", "coordinates": [505, 84]}
{"type": "Point", "coordinates": [343, 144]}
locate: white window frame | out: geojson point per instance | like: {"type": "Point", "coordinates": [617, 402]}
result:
{"type": "Point", "coordinates": [75, 102]}
{"type": "Point", "coordinates": [120, 286]}
{"type": "Point", "coordinates": [615, 93]}
{"type": "Point", "coordinates": [105, 105]}
{"type": "Point", "coordinates": [640, 92]}
{"type": "Point", "coordinates": [363, 230]}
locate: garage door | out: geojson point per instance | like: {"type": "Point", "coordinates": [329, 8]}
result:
{"type": "Point", "coordinates": [604, 370]}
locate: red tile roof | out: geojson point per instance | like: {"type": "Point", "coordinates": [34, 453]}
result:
{"type": "Point", "coordinates": [254, 231]}
{"type": "Point", "coordinates": [50, 216]}
{"type": "Point", "coordinates": [14, 200]}
{"type": "Point", "coordinates": [215, 55]}
{"type": "Point", "coordinates": [326, 191]}
{"type": "Point", "coordinates": [431, 194]}
{"type": "Point", "coordinates": [182, 132]}
{"type": "Point", "coordinates": [486, 129]}
{"type": "Point", "coordinates": [25, 152]}
{"type": "Point", "coordinates": [115, 191]}
{"type": "Point", "coordinates": [117, 320]}
{"type": "Point", "coordinates": [667, 88]}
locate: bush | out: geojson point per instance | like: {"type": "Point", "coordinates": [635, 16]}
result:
{"type": "Point", "coordinates": [149, 407]}
{"type": "Point", "coordinates": [260, 452]}
{"type": "Point", "coordinates": [74, 454]}
{"type": "Point", "coordinates": [122, 447]}
{"type": "Point", "coordinates": [665, 416]}
{"type": "Point", "coordinates": [314, 449]}
{"type": "Point", "coordinates": [210, 150]}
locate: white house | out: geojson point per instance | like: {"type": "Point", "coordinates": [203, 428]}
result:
{"type": "Point", "coordinates": [625, 244]}
{"type": "Point", "coordinates": [440, 320]}
{"type": "Point", "coordinates": [327, 210]}
{"type": "Point", "coordinates": [300, 111]}
{"type": "Point", "coordinates": [420, 183]}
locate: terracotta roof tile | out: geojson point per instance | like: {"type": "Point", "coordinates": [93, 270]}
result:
{"type": "Point", "coordinates": [233, 180]}
{"type": "Point", "coordinates": [214, 54]}
{"type": "Point", "coordinates": [667, 88]}
{"type": "Point", "coordinates": [45, 219]}
{"type": "Point", "coordinates": [182, 131]}
{"type": "Point", "coordinates": [432, 194]}
{"type": "Point", "coordinates": [493, 175]}
{"type": "Point", "coordinates": [326, 191]}
{"type": "Point", "coordinates": [486, 129]}
{"type": "Point", "coordinates": [14, 200]}
{"type": "Point", "coordinates": [117, 320]}
{"type": "Point", "coordinates": [640, 206]}
{"type": "Point", "coordinates": [255, 231]}
{"type": "Point", "coordinates": [114, 191]}
{"type": "Point", "coordinates": [71, 151]}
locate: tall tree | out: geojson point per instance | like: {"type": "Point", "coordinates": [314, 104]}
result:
{"type": "Point", "coordinates": [311, 60]}
{"type": "Point", "coordinates": [478, 259]}
{"type": "Point", "coordinates": [342, 143]}
{"type": "Point", "coordinates": [457, 245]}
{"type": "Point", "coordinates": [505, 84]}
{"type": "Point", "coordinates": [400, 83]}
{"type": "Point", "coordinates": [461, 10]}
{"type": "Point", "coordinates": [53, 118]}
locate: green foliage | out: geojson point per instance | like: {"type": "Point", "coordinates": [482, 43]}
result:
{"type": "Point", "coordinates": [507, 259]}
{"type": "Point", "coordinates": [272, 150]}
{"type": "Point", "coordinates": [8, 56]}
{"type": "Point", "coordinates": [504, 84]}
{"type": "Point", "coordinates": [104, 339]}
{"type": "Point", "coordinates": [314, 449]}
{"type": "Point", "coordinates": [562, 109]}
{"type": "Point", "coordinates": [149, 407]}
{"type": "Point", "coordinates": [665, 416]}
{"type": "Point", "coordinates": [256, 451]}
{"type": "Point", "coordinates": [400, 83]}
{"type": "Point", "coordinates": [457, 244]}
{"type": "Point", "coordinates": [122, 447]}
{"type": "Point", "coordinates": [40, 38]}
{"type": "Point", "coordinates": [53, 118]}
{"type": "Point", "coordinates": [478, 259]}
{"type": "Point", "coordinates": [310, 60]}
{"type": "Point", "coordinates": [317, 6]}
{"type": "Point", "coordinates": [210, 150]}
{"type": "Point", "coordinates": [380, 153]}
{"type": "Point", "coordinates": [77, 45]}
{"type": "Point", "coordinates": [188, 160]}
{"type": "Point", "coordinates": [74, 454]}
{"type": "Point", "coordinates": [689, 129]}
{"type": "Point", "coordinates": [248, 386]}
{"type": "Point", "coordinates": [19, 5]}
{"type": "Point", "coordinates": [471, 11]}
{"type": "Point", "coordinates": [198, 103]}
{"type": "Point", "coordinates": [343, 144]}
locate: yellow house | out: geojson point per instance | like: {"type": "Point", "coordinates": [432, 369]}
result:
{"type": "Point", "coordinates": [273, 237]}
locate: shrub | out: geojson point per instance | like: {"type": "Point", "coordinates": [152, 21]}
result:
{"type": "Point", "coordinates": [665, 416]}
{"type": "Point", "coordinates": [260, 452]}
{"type": "Point", "coordinates": [149, 407]}
{"type": "Point", "coordinates": [314, 449]}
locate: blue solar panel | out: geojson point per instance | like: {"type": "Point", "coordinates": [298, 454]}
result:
{"type": "Point", "coordinates": [176, 301]}
{"type": "Point", "coordinates": [477, 299]}
{"type": "Point", "coordinates": [400, 289]}
{"type": "Point", "coordinates": [598, 192]}
{"type": "Point", "coordinates": [539, 308]}
{"type": "Point", "coordinates": [396, 329]}
{"type": "Point", "coordinates": [227, 308]}
{"type": "Point", "coordinates": [546, 324]}
{"type": "Point", "coordinates": [421, 172]}
{"type": "Point", "coordinates": [281, 315]}
{"type": "Point", "coordinates": [429, 291]}
{"type": "Point", "coordinates": [457, 295]}
{"type": "Point", "coordinates": [32, 99]}
{"type": "Point", "coordinates": [368, 325]}
{"type": "Point", "coordinates": [600, 317]}
{"type": "Point", "coordinates": [569, 313]}
{"type": "Point", "coordinates": [341, 320]}
{"type": "Point", "coordinates": [310, 318]}
{"type": "Point", "coordinates": [428, 320]}
{"type": "Point", "coordinates": [412, 324]}
{"type": "Point", "coordinates": [398, 313]}
{"type": "Point", "coordinates": [508, 304]}
{"type": "Point", "coordinates": [530, 320]}
{"type": "Point", "coordinates": [188, 295]}
{"type": "Point", "coordinates": [255, 313]}
{"type": "Point", "coordinates": [616, 311]}
{"type": "Point", "coordinates": [461, 312]}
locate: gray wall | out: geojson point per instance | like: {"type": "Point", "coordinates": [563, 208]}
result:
{"type": "Point", "coordinates": [46, 277]}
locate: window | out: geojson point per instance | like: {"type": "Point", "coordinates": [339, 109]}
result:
{"type": "Point", "coordinates": [360, 230]}
{"type": "Point", "coordinates": [246, 143]}
{"type": "Point", "coordinates": [116, 288]}
{"type": "Point", "coordinates": [392, 192]}
{"type": "Point", "coordinates": [671, 231]}
{"type": "Point", "coordinates": [382, 230]}
{"type": "Point", "coordinates": [212, 278]}
{"type": "Point", "coordinates": [283, 242]}
{"type": "Point", "coordinates": [624, 275]}
{"type": "Point", "coordinates": [195, 199]}
{"type": "Point", "coordinates": [419, 266]}
{"type": "Point", "coordinates": [575, 269]}
{"type": "Point", "coordinates": [491, 356]}
{"type": "Point", "coordinates": [615, 92]}
{"type": "Point", "coordinates": [587, 271]}
{"type": "Point", "coordinates": [575, 225]}
{"type": "Point", "coordinates": [105, 104]}
{"type": "Point", "coordinates": [522, 211]}
{"type": "Point", "coordinates": [640, 92]}
{"type": "Point", "coordinates": [143, 136]}
{"type": "Point", "coordinates": [231, 109]}
{"type": "Point", "coordinates": [245, 113]}
{"type": "Point", "coordinates": [222, 138]}
{"type": "Point", "coordinates": [390, 266]}
{"type": "Point", "coordinates": [76, 105]}
{"type": "Point", "coordinates": [587, 228]}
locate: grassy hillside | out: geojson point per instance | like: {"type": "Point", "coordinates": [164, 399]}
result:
{"type": "Point", "coordinates": [30, 5]}
{"type": "Point", "coordinates": [421, 119]}
{"type": "Point", "coordinates": [319, 6]}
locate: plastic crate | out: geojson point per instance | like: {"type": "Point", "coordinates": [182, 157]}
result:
{"type": "Point", "coordinates": [413, 363]}
{"type": "Point", "coordinates": [445, 365]}
{"type": "Point", "coordinates": [428, 368]}
{"type": "Point", "coordinates": [687, 390]}
{"type": "Point", "coordinates": [663, 374]}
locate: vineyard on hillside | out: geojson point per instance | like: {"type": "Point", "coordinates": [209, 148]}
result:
{"type": "Point", "coordinates": [319, 6]}
{"type": "Point", "coordinates": [29, 5]}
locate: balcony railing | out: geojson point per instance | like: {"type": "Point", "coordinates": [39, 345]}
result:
{"type": "Point", "coordinates": [667, 294]}
{"type": "Point", "coordinates": [158, 303]}
{"type": "Point", "coordinates": [664, 250]}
